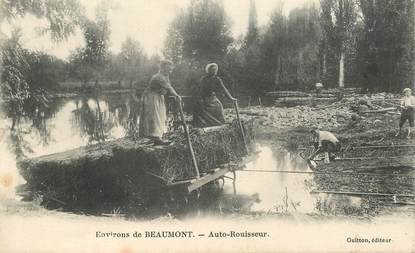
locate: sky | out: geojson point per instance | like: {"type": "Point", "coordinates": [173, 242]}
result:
{"type": "Point", "coordinates": [143, 20]}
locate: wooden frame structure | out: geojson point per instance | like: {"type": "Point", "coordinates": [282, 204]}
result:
{"type": "Point", "coordinates": [196, 183]}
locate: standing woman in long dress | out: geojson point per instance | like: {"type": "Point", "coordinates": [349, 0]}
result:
{"type": "Point", "coordinates": [208, 110]}
{"type": "Point", "coordinates": [153, 116]}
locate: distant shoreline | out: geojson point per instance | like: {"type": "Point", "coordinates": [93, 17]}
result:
{"type": "Point", "coordinates": [103, 91]}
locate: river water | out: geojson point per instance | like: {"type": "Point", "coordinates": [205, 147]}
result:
{"type": "Point", "coordinates": [70, 123]}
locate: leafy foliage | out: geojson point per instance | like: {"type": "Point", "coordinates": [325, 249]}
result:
{"type": "Point", "coordinates": [63, 16]}
{"type": "Point", "coordinates": [285, 54]}
{"type": "Point", "coordinates": [14, 88]}
{"type": "Point", "coordinates": [88, 63]}
{"type": "Point", "coordinates": [387, 45]}
{"type": "Point", "coordinates": [132, 58]}
{"type": "Point", "coordinates": [362, 43]}
{"type": "Point", "coordinates": [201, 33]}
{"type": "Point", "coordinates": [27, 78]}
{"type": "Point", "coordinates": [338, 21]}
{"type": "Point", "coordinates": [198, 35]}
{"type": "Point", "coordinates": [24, 74]}
{"type": "Point", "coordinates": [252, 35]}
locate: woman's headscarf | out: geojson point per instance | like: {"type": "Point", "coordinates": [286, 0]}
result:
{"type": "Point", "coordinates": [164, 64]}
{"type": "Point", "coordinates": [211, 65]}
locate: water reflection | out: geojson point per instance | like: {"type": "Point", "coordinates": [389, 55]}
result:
{"type": "Point", "coordinates": [276, 192]}
{"type": "Point", "coordinates": [55, 125]}
{"type": "Point", "coordinates": [93, 119]}
{"type": "Point", "coordinates": [285, 193]}
{"type": "Point", "coordinates": [45, 125]}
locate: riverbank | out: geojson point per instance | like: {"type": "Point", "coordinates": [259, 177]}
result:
{"type": "Point", "coordinates": [387, 169]}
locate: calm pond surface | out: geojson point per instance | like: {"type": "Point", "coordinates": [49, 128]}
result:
{"type": "Point", "coordinates": [69, 123]}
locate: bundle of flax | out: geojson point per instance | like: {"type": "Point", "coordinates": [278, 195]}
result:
{"type": "Point", "coordinates": [127, 168]}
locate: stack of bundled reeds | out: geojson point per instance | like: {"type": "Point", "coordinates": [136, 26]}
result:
{"type": "Point", "coordinates": [286, 94]}
{"type": "Point", "coordinates": [295, 98]}
{"type": "Point", "coordinates": [127, 171]}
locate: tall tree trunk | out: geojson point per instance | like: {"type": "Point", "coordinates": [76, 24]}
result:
{"type": "Point", "coordinates": [300, 65]}
{"type": "Point", "coordinates": [341, 70]}
{"type": "Point", "coordinates": [390, 70]}
{"type": "Point", "coordinates": [278, 74]}
{"type": "Point", "coordinates": [13, 124]}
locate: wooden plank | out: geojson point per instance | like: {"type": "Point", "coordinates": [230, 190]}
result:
{"type": "Point", "coordinates": [330, 173]}
{"type": "Point", "coordinates": [188, 181]}
{"type": "Point", "coordinates": [371, 163]}
{"type": "Point", "coordinates": [213, 128]}
{"type": "Point", "coordinates": [365, 193]}
{"type": "Point", "coordinates": [366, 158]}
{"type": "Point", "coordinates": [381, 110]}
{"type": "Point", "coordinates": [385, 99]}
{"type": "Point", "coordinates": [229, 166]}
{"type": "Point", "coordinates": [206, 179]}
{"type": "Point", "coordinates": [404, 203]}
{"type": "Point", "coordinates": [156, 176]}
{"type": "Point", "coordinates": [384, 146]}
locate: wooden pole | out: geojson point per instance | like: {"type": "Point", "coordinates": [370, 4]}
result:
{"type": "Point", "coordinates": [369, 158]}
{"type": "Point", "coordinates": [372, 146]}
{"type": "Point", "coordinates": [366, 194]}
{"type": "Point", "coordinates": [329, 173]}
{"type": "Point", "coordinates": [189, 141]}
{"type": "Point", "coordinates": [235, 103]}
{"type": "Point", "coordinates": [385, 146]}
{"type": "Point", "coordinates": [381, 110]}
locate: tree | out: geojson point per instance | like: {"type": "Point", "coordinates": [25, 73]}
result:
{"type": "Point", "coordinates": [45, 71]}
{"type": "Point", "coordinates": [338, 19]}
{"type": "Point", "coordinates": [201, 33]}
{"type": "Point", "coordinates": [252, 35]}
{"type": "Point", "coordinates": [14, 86]}
{"type": "Point", "coordinates": [62, 16]}
{"type": "Point", "coordinates": [289, 49]}
{"type": "Point", "coordinates": [387, 45]}
{"type": "Point", "coordinates": [132, 59]}
{"type": "Point", "coordinates": [303, 38]}
{"type": "Point", "coordinates": [27, 78]}
{"type": "Point", "coordinates": [273, 50]}
{"type": "Point", "coordinates": [173, 46]}
{"type": "Point", "coordinates": [78, 68]}
{"type": "Point", "coordinates": [248, 60]}
{"type": "Point", "coordinates": [242, 62]}
{"type": "Point", "coordinates": [89, 62]}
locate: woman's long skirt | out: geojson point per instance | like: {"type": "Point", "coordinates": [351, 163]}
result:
{"type": "Point", "coordinates": [208, 111]}
{"type": "Point", "coordinates": [153, 115]}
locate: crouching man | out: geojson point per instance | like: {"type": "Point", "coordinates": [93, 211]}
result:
{"type": "Point", "coordinates": [325, 142]}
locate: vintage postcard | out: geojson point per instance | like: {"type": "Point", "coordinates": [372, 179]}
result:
{"type": "Point", "coordinates": [130, 126]}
